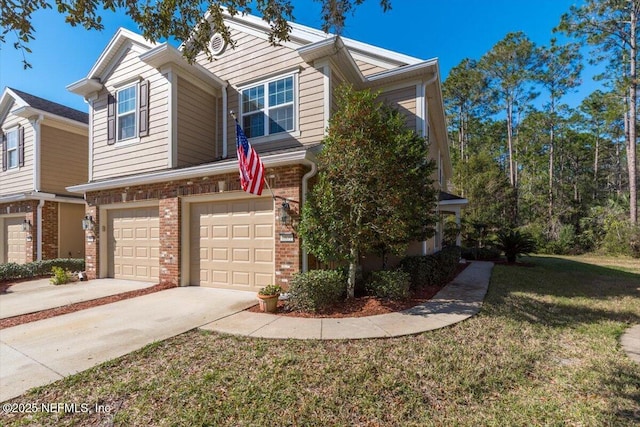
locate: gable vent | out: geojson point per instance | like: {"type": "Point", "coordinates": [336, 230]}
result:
{"type": "Point", "coordinates": [217, 45]}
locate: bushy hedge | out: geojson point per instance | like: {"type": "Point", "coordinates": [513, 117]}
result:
{"type": "Point", "coordinates": [391, 284]}
{"type": "Point", "coordinates": [430, 270]}
{"type": "Point", "coordinates": [316, 289]}
{"type": "Point", "coordinates": [480, 254]}
{"type": "Point", "coordinates": [12, 271]}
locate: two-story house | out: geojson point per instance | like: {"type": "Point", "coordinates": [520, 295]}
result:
{"type": "Point", "coordinates": [44, 150]}
{"type": "Point", "coordinates": [163, 191]}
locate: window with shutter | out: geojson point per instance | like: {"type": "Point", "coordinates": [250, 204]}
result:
{"type": "Point", "coordinates": [11, 150]}
{"type": "Point", "coordinates": [128, 113]}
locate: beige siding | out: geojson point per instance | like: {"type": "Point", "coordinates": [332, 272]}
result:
{"type": "Point", "coordinates": [70, 233]}
{"type": "Point", "coordinates": [20, 179]}
{"type": "Point", "coordinates": [405, 100]}
{"type": "Point", "coordinates": [254, 58]}
{"type": "Point", "coordinates": [63, 161]}
{"type": "Point", "coordinates": [196, 125]}
{"type": "Point", "coordinates": [336, 82]}
{"type": "Point", "coordinates": [150, 152]}
{"type": "Point", "coordinates": [368, 69]}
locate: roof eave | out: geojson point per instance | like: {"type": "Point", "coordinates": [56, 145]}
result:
{"type": "Point", "coordinates": [274, 160]}
{"type": "Point", "coordinates": [85, 87]}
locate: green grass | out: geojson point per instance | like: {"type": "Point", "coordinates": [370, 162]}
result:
{"type": "Point", "coordinates": [544, 350]}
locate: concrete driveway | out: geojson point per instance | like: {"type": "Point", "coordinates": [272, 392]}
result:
{"type": "Point", "coordinates": [38, 353]}
{"type": "Point", "coordinates": [40, 294]}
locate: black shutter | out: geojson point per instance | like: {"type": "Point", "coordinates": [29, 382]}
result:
{"type": "Point", "coordinates": [4, 151]}
{"type": "Point", "coordinates": [143, 108]}
{"type": "Point", "coordinates": [111, 119]}
{"type": "Point", "coordinates": [21, 146]}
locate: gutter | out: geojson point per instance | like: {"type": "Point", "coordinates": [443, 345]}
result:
{"type": "Point", "coordinates": [305, 185]}
{"type": "Point", "coordinates": [39, 232]}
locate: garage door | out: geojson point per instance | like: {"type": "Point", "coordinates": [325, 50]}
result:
{"type": "Point", "coordinates": [232, 244]}
{"type": "Point", "coordinates": [15, 246]}
{"type": "Point", "coordinates": [134, 244]}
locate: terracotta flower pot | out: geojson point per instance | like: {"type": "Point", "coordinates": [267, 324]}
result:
{"type": "Point", "coordinates": [268, 303]}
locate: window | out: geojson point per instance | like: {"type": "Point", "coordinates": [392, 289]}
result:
{"type": "Point", "coordinates": [12, 149]}
{"type": "Point", "coordinates": [126, 113]}
{"type": "Point", "coordinates": [268, 108]}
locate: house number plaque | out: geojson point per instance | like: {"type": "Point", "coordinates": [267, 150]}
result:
{"type": "Point", "coordinates": [286, 237]}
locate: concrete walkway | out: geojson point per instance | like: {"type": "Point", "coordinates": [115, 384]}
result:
{"type": "Point", "coordinates": [37, 295]}
{"type": "Point", "coordinates": [459, 300]}
{"type": "Point", "coordinates": [38, 353]}
{"type": "Point", "coordinates": [631, 342]}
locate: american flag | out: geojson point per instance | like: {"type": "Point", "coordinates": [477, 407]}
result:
{"type": "Point", "coordinates": [250, 165]}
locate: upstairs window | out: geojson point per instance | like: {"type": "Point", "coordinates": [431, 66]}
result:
{"type": "Point", "coordinates": [269, 108]}
{"type": "Point", "coordinates": [128, 113]}
{"type": "Point", "coordinates": [127, 106]}
{"type": "Point", "coordinates": [12, 149]}
{"type": "Point", "coordinates": [12, 144]}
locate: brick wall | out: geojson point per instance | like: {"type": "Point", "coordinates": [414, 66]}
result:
{"type": "Point", "coordinates": [49, 230]}
{"type": "Point", "coordinates": [285, 182]}
{"type": "Point", "coordinates": [91, 244]}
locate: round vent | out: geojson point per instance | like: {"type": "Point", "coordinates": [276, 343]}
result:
{"type": "Point", "coordinates": [217, 44]}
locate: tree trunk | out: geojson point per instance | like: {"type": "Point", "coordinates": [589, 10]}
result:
{"type": "Point", "coordinates": [631, 143]}
{"type": "Point", "coordinates": [551, 146]}
{"type": "Point", "coordinates": [512, 178]}
{"type": "Point", "coordinates": [353, 267]}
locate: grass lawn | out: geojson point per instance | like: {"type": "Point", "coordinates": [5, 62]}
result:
{"type": "Point", "coordinates": [544, 350]}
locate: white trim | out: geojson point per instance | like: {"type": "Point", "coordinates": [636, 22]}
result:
{"type": "Point", "coordinates": [324, 67]}
{"type": "Point", "coordinates": [273, 160]}
{"type": "Point", "coordinates": [39, 196]}
{"type": "Point", "coordinates": [121, 38]}
{"type": "Point", "coordinates": [420, 111]}
{"type": "Point", "coordinates": [37, 148]}
{"type": "Point", "coordinates": [91, 102]}
{"type": "Point", "coordinates": [225, 130]}
{"type": "Point", "coordinates": [172, 123]}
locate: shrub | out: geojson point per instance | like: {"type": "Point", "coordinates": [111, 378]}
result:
{"type": "Point", "coordinates": [431, 270]}
{"type": "Point", "coordinates": [514, 243]}
{"type": "Point", "coordinates": [60, 276]}
{"type": "Point", "coordinates": [316, 290]}
{"type": "Point", "coordinates": [12, 271]}
{"type": "Point", "coordinates": [479, 254]}
{"type": "Point", "coordinates": [391, 284]}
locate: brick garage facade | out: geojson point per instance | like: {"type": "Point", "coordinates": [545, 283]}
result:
{"type": "Point", "coordinates": [285, 182]}
{"type": "Point", "coordinates": [49, 226]}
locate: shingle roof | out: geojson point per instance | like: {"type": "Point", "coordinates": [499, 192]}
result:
{"type": "Point", "coordinates": [52, 107]}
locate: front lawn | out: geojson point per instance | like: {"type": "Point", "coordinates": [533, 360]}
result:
{"type": "Point", "coordinates": [544, 350]}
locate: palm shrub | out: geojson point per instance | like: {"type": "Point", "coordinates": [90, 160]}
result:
{"type": "Point", "coordinates": [514, 243]}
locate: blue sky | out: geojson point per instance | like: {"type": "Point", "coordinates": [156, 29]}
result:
{"type": "Point", "coordinates": [450, 30]}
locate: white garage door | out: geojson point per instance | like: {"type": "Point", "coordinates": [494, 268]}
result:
{"type": "Point", "coordinates": [15, 246]}
{"type": "Point", "coordinates": [134, 244]}
{"type": "Point", "coordinates": [232, 244]}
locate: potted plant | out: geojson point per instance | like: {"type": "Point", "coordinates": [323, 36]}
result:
{"type": "Point", "coordinates": [268, 297]}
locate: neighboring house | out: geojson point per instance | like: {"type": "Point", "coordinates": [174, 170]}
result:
{"type": "Point", "coordinates": [163, 190]}
{"type": "Point", "coordinates": [44, 150]}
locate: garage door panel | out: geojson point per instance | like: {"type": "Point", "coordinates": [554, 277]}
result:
{"type": "Point", "coordinates": [239, 242]}
{"type": "Point", "coordinates": [134, 244]}
{"type": "Point", "coordinates": [15, 244]}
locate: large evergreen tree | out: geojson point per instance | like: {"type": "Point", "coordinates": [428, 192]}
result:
{"type": "Point", "coordinates": [375, 190]}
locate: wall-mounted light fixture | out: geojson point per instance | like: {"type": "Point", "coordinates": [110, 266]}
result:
{"type": "Point", "coordinates": [26, 225]}
{"type": "Point", "coordinates": [283, 214]}
{"type": "Point", "coordinates": [87, 223]}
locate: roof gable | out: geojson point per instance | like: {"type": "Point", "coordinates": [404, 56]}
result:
{"type": "Point", "coordinates": [14, 99]}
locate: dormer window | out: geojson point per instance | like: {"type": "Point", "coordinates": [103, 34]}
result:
{"type": "Point", "coordinates": [127, 106]}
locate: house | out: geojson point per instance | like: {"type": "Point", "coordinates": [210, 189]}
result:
{"type": "Point", "coordinates": [44, 149]}
{"type": "Point", "coordinates": [163, 192]}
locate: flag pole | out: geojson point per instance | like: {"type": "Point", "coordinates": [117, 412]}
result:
{"type": "Point", "coordinates": [232, 114]}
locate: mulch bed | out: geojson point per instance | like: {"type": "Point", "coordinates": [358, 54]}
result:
{"type": "Point", "coordinates": [58, 311]}
{"type": "Point", "coordinates": [366, 305]}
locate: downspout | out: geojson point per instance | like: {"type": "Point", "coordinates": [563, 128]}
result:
{"type": "Point", "coordinates": [225, 111]}
{"type": "Point", "coordinates": [425, 124]}
{"type": "Point", "coordinates": [36, 182]}
{"type": "Point", "coordinates": [305, 185]}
